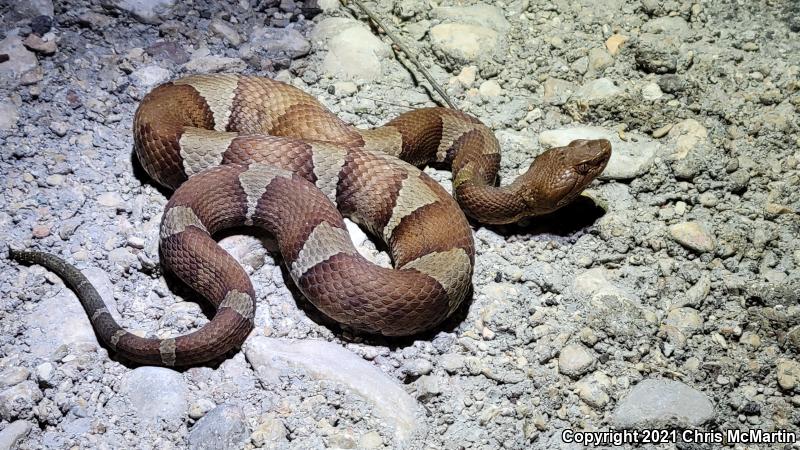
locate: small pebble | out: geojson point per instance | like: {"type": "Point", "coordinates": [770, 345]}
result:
{"type": "Point", "coordinates": [200, 407]}
{"type": "Point", "coordinates": [574, 360]}
{"type": "Point", "coordinates": [788, 374]}
{"type": "Point", "coordinates": [345, 88]}
{"type": "Point", "coordinates": [451, 362]}
{"type": "Point", "coordinates": [110, 199]}
{"type": "Point", "coordinates": [662, 131]}
{"type": "Point", "coordinates": [270, 432]}
{"type": "Point", "coordinates": [136, 242]}
{"type": "Point", "coordinates": [370, 440]}
{"type": "Point", "coordinates": [417, 367]}
{"type": "Point", "coordinates": [708, 199]}
{"type": "Point", "coordinates": [41, 231]}
{"type": "Point", "coordinates": [222, 427]}
{"type": "Point", "coordinates": [225, 30]}
{"type": "Point", "coordinates": [662, 403]}
{"type": "Point", "coordinates": [490, 88]}
{"type": "Point", "coordinates": [693, 235]}
{"type": "Point", "coordinates": [59, 128]}
{"type": "Point", "coordinates": [44, 374]}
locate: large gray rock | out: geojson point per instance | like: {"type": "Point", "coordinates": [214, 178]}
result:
{"type": "Point", "coordinates": [595, 281]}
{"type": "Point", "coordinates": [58, 321]}
{"type": "Point", "coordinates": [149, 76]}
{"type": "Point", "coordinates": [656, 53]}
{"type": "Point", "coordinates": [156, 393]}
{"type": "Point", "coordinates": [28, 9]}
{"type": "Point", "coordinates": [326, 29]}
{"type": "Point", "coordinates": [329, 5]}
{"type": "Point", "coordinates": [674, 26]}
{"type": "Point", "coordinates": [461, 43]}
{"type": "Point", "coordinates": [223, 428]}
{"type": "Point", "coordinates": [663, 403]}
{"type": "Point", "coordinates": [13, 375]}
{"type": "Point", "coordinates": [629, 159]}
{"type": "Point", "coordinates": [9, 115]}
{"type": "Point", "coordinates": [145, 11]}
{"type": "Point", "coordinates": [557, 92]}
{"type": "Point", "coordinates": [353, 51]}
{"type": "Point", "coordinates": [13, 434]}
{"type": "Point", "coordinates": [20, 59]}
{"type": "Point", "coordinates": [18, 401]}
{"type": "Point", "coordinates": [599, 59]}
{"type": "Point", "coordinates": [214, 63]}
{"type": "Point", "coordinates": [281, 41]}
{"type": "Point", "coordinates": [325, 361]}
{"type": "Point", "coordinates": [597, 91]}
{"type": "Point", "coordinates": [488, 16]}
{"type": "Point", "coordinates": [610, 308]}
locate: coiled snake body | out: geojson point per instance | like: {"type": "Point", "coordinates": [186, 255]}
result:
{"type": "Point", "coordinates": [252, 151]}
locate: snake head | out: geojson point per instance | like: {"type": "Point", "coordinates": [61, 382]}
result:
{"type": "Point", "coordinates": [559, 175]}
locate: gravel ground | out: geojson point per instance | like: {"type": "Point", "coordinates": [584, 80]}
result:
{"type": "Point", "coordinates": [666, 298]}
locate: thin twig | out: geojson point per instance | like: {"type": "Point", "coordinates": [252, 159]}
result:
{"type": "Point", "coordinates": [405, 50]}
{"type": "Point", "coordinates": [399, 105]}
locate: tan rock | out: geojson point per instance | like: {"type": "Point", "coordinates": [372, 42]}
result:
{"type": "Point", "coordinates": [685, 319]}
{"type": "Point", "coordinates": [467, 76]}
{"type": "Point", "coordinates": [692, 235]}
{"type": "Point", "coordinates": [41, 231]}
{"type": "Point", "coordinates": [614, 43]}
{"type": "Point", "coordinates": [490, 89]}
{"type": "Point", "coordinates": [687, 135]}
{"type": "Point", "coordinates": [39, 45]}
{"type": "Point", "coordinates": [574, 360]}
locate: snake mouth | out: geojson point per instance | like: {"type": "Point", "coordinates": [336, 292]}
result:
{"type": "Point", "coordinates": [595, 164]}
{"type": "Point", "coordinates": [574, 192]}
{"type": "Point", "coordinates": [588, 169]}
{"type": "Point", "coordinates": [605, 155]}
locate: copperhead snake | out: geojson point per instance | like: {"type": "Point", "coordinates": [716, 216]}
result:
{"type": "Point", "coordinates": [242, 150]}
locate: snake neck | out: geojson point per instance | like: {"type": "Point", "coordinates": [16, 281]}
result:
{"type": "Point", "coordinates": [451, 138]}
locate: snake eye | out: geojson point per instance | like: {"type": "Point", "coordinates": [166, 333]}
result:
{"type": "Point", "coordinates": [583, 168]}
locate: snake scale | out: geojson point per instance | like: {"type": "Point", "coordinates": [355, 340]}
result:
{"type": "Point", "coordinates": [243, 150]}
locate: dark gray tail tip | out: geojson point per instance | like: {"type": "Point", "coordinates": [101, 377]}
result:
{"type": "Point", "coordinates": [16, 253]}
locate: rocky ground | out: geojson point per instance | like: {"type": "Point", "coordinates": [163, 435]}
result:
{"type": "Point", "coordinates": [672, 304]}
